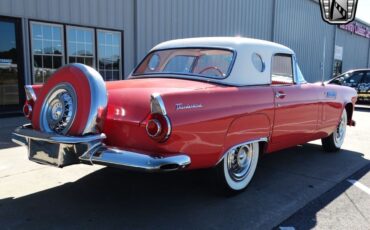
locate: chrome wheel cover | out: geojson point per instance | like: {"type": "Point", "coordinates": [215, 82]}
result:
{"type": "Point", "coordinates": [239, 162]}
{"type": "Point", "coordinates": [59, 109]}
{"type": "Point", "coordinates": [340, 132]}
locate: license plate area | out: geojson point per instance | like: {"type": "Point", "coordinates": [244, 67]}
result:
{"type": "Point", "coordinates": [55, 154]}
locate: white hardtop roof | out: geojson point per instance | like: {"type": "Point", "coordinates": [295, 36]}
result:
{"type": "Point", "coordinates": [243, 72]}
{"type": "Point", "coordinates": [235, 43]}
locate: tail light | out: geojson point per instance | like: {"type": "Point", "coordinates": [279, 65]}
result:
{"type": "Point", "coordinates": [30, 100]}
{"type": "Point", "coordinates": [27, 110]}
{"type": "Point", "coordinates": [158, 125]}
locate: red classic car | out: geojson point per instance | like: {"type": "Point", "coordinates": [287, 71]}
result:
{"type": "Point", "coordinates": [191, 103]}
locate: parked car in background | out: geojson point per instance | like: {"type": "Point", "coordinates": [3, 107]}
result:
{"type": "Point", "coordinates": [194, 103]}
{"type": "Point", "coordinates": [358, 79]}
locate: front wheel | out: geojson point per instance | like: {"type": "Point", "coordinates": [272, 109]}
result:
{"type": "Point", "coordinates": [237, 168]}
{"type": "Point", "coordinates": [334, 142]}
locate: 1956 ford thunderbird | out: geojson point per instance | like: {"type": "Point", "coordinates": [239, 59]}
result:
{"type": "Point", "coordinates": [191, 103]}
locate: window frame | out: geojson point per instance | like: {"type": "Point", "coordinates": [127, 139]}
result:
{"type": "Point", "coordinates": [33, 22]}
{"type": "Point", "coordinates": [120, 68]}
{"type": "Point", "coordinates": [93, 43]}
{"type": "Point", "coordinates": [292, 61]}
{"type": "Point", "coordinates": [64, 56]}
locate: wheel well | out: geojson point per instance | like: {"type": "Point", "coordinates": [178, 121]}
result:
{"type": "Point", "coordinates": [262, 147]}
{"type": "Point", "coordinates": [349, 111]}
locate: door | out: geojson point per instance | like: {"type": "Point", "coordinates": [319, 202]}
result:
{"type": "Point", "coordinates": [296, 105]}
{"type": "Point", "coordinates": [11, 68]}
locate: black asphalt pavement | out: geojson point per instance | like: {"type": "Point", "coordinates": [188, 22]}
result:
{"type": "Point", "coordinates": [284, 192]}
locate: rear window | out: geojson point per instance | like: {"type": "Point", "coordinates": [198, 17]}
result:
{"type": "Point", "coordinates": [211, 63]}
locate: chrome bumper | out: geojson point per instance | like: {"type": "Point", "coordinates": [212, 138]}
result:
{"type": "Point", "coordinates": [60, 151]}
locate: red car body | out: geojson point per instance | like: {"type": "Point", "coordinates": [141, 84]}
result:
{"type": "Point", "coordinates": [158, 120]}
{"type": "Point", "coordinates": [226, 118]}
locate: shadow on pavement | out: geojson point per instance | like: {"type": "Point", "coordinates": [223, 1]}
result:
{"type": "Point", "coordinates": [111, 198]}
{"type": "Point", "coordinates": [7, 125]}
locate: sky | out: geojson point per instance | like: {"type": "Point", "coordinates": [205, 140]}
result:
{"type": "Point", "coordinates": [363, 10]}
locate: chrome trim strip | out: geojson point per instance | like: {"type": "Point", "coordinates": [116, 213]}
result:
{"type": "Point", "coordinates": [262, 139]}
{"type": "Point", "coordinates": [169, 128]}
{"type": "Point", "coordinates": [134, 160]}
{"type": "Point", "coordinates": [30, 93]}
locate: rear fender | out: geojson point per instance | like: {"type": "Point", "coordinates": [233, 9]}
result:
{"type": "Point", "coordinates": [249, 128]}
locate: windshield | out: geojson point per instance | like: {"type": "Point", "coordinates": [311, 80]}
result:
{"type": "Point", "coordinates": [204, 62]}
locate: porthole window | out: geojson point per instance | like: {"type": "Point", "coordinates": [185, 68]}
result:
{"type": "Point", "coordinates": [258, 62]}
{"type": "Point", "coordinates": [154, 62]}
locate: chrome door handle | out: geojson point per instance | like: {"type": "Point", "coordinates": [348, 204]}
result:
{"type": "Point", "coordinates": [280, 95]}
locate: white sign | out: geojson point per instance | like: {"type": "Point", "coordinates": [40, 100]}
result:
{"type": "Point", "coordinates": [338, 53]}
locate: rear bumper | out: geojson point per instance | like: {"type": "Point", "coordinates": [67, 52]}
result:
{"type": "Point", "coordinates": [60, 151]}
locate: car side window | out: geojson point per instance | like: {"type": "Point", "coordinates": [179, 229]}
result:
{"type": "Point", "coordinates": [282, 69]}
{"type": "Point", "coordinates": [355, 78]}
{"type": "Point", "coordinates": [366, 78]}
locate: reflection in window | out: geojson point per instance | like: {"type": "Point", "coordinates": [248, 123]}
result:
{"type": "Point", "coordinates": [212, 63]}
{"type": "Point", "coordinates": [80, 45]}
{"type": "Point", "coordinates": [47, 49]}
{"type": "Point", "coordinates": [109, 54]}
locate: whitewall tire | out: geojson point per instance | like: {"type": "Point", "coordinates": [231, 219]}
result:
{"type": "Point", "coordinates": [238, 166]}
{"type": "Point", "coordinates": [334, 142]}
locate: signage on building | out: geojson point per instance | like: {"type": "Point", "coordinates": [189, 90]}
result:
{"type": "Point", "coordinates": [5, 61]}
{"type": "Point", "coordinates": [356, 28]}
{"type": "Point", "coordinates": [338, 11]}
{"type": "Point", "coordinates": [338, 53]}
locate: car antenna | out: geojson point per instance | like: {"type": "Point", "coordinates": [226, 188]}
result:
{"type": "Point", "coordinates": [323, 63]}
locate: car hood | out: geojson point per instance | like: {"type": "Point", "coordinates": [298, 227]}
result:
{"type": "Point", "coordinates": [129, 100]}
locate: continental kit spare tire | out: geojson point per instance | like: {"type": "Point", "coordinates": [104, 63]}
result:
{"type": "Point", "coordinates": [70, 101]}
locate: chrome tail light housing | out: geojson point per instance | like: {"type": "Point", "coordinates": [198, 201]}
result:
{"type": "Point", "coordinates": [158, 125]}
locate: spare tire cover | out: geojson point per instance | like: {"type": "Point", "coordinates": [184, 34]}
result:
{"type": "Point", "coordinates": [70, 100]}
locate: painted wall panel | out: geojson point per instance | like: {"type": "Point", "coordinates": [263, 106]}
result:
{"type": "Point", "coordinates": [162, 20]}
{"type": "Point", "coordinates": [355, 50]}
{"type": "Point", "coordinates": [296, 24]}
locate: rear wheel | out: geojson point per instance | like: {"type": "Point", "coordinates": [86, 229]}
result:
{"type": "Point", "coordinates": [334, 142]}
{"type": "Point", "coordinates": [237, 168]}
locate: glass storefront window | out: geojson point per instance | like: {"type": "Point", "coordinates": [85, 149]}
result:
{"type": "Point", "coordinates": [9, 68]}
{"type": "Point", "coordinates": [100, 49]}
{"type": "Point", "coordinates": [80, 45]}
{"type": "Point", "coordinates": [109, 54]}
{"type": "Point", "coordinates": [47, 49]}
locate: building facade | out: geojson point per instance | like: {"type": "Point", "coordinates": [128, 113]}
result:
{"type": "Point", "coordinates": [39, 36]}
